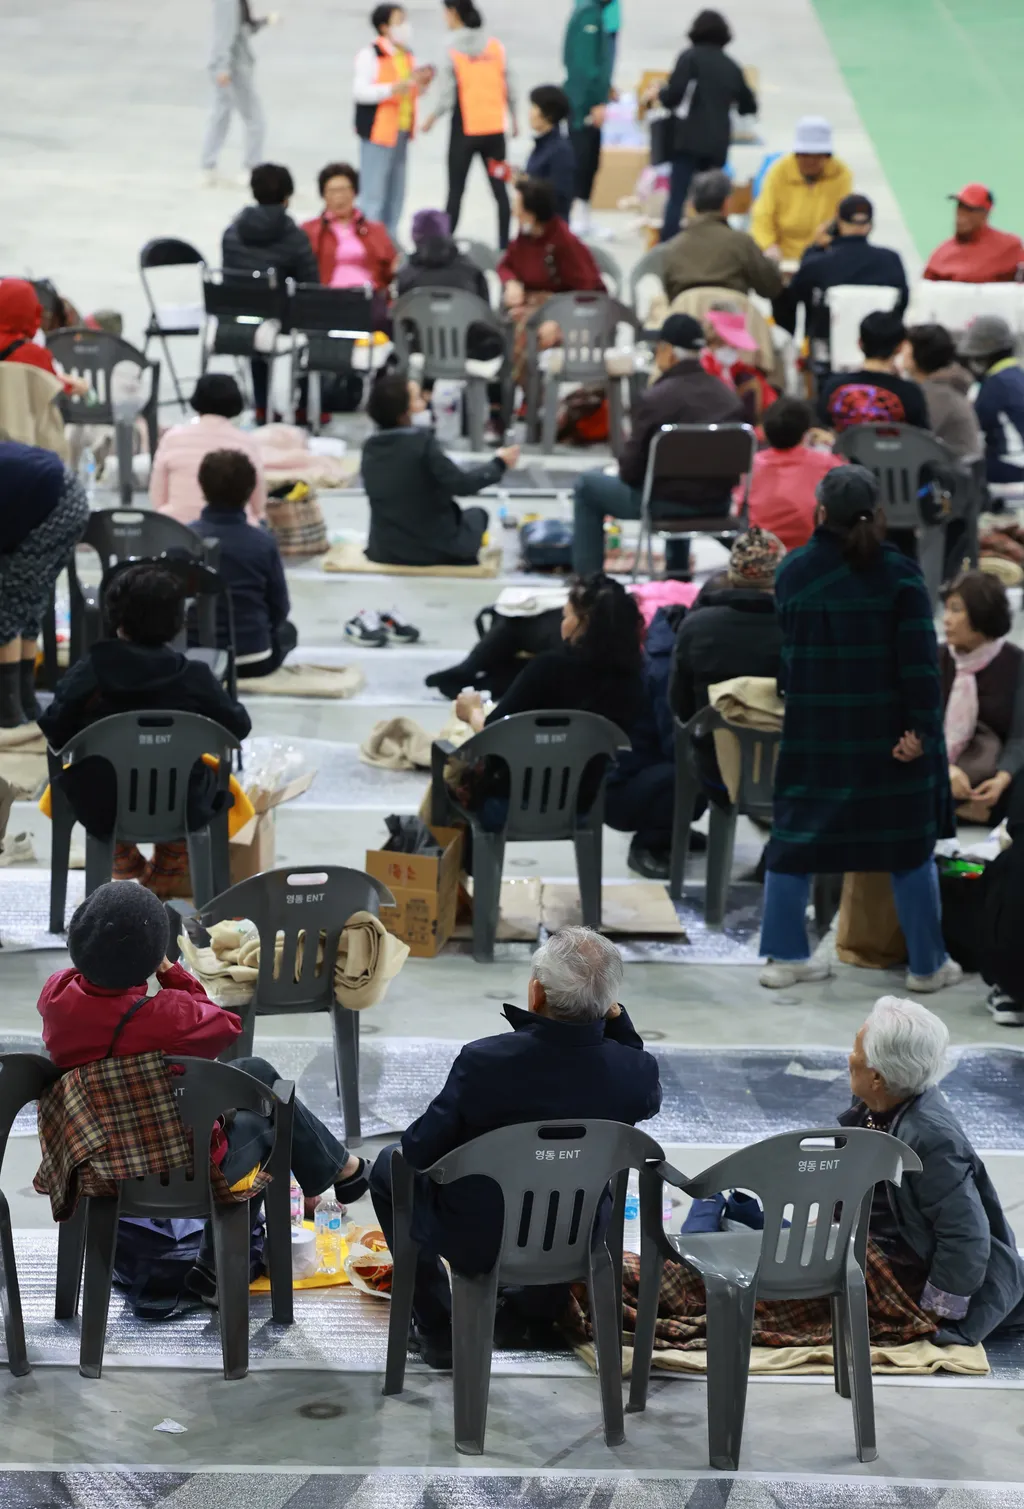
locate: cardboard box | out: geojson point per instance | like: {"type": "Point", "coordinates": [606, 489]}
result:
{"type": "Point", "coordinates": [425, 889]}
{"type": "Point", "coordinates": [251, 851]}
{"type": "Point", "coordinates": [617, 176]}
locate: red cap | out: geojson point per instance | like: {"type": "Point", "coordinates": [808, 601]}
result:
{"type": "Point", "coordinates": [974, 196]}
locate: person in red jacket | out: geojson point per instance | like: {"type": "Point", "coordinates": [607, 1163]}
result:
{"type": "Point", "coordinates": [101, 1008]}
{"type": "Point", "coordinates": [544, 259]}
{"type": "Point", "coordinates": [786, 474]}
{"type": "Point", "coordinates": [350, 250]}
{"type": "Point", "coordinates": [21, 316]}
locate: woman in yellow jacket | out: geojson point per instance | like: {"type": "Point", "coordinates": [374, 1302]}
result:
{"type": "Point", "coordinates": [477, 91]}
{"type": "Point", "coordinates": [801, 193]}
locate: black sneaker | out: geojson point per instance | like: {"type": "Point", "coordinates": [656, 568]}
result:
{"type": "Point", "coordinates": [366, 629]}
{"type": "Point", "coordinates": [434, 1348]}
{"type": "Point", "coordinates": [399, 628]}
{"type": "Point", "coordinates": [651, 864]}
{"type": "Point", "coordinates": [201, 1282]}
{"type": "Point", "coordinates": [1006, 1012]}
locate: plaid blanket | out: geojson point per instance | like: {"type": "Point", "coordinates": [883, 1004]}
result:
{"type": "Point", "coordinates": [112, 1120]}
{"type": "Point", "coordinates": [894, 1316]}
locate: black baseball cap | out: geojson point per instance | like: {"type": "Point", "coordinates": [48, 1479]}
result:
{"type": "Point", "coordinates": [683, 332]}
{"type": "Point", "coordinates": [848, 493]}
{"type": "Point", "coordinates": [856, 209]}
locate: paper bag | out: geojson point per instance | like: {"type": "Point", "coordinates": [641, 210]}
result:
{"type": "Point", "coordinates": [868, 932]}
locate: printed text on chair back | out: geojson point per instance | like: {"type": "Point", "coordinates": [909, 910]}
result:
{"type": "Point", "coordinates": [119, 534]}
{"type": "Point", "coordinates": [93, 354]}
{"type": "Point", "coordinates": [587, 322]}
{"type": "Point", "coordinates": [553, 1176]}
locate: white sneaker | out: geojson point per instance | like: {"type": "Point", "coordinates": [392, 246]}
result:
{"type": "Point", "coordinates": [778, 976]}
{"type": "Point", "coordinates": [949, 974]}
{"type": "Point", "coordinates": [17, 849]}
{"type": "Point", "coordinates": [1005, 1010]}
{"type": "Point", "coordinates": [209, 178]}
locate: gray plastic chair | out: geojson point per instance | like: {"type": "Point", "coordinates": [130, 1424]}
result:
{"type": "Point", "coordinates": [437, 322]}
{"type": "Point", "coordinates": [203, 1092]}
{"type": "Point", "coordinates": [546, 755]}
{"type": "Point", "coordinates": [23, 1078]}
{"type": "Point", "coordinates": [152, 753]}
{"type": "Point", "coordinates": [94, 354]}
{"type": "Point", "coordinates": [896, 453]}
{"type": "Point", "coordinates": [719, 453]}
{"type": "Point", "coordinates": [553, 1177]}
{"type": "Point", "coordinates": [588, 322]}
{"type": "Point", "coordinates": [758, 753]}
{"type": "Point", "coordinates": [607, 266]}
{"type": "Point", "coordinates": [825, 1176]}
{"type": "Point", "coordinates": [210, 618]}
{"type": "Point", "coordinates": [651, 264]}
{"type": "Point", "coordinates": [284, 903]}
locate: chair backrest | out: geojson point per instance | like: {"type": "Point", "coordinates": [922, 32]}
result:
{"type": "Point", "coordinates": [848, 304]}
{"type": "Point", "coordinates": [284, 903]}
{"type": "Point", "coordinates": [170, 251]}
{"type": "Point", "coordinates": [210, 620]}
{"type": "Point", "coordinates": [607, 266]}
{"type": "Point", "coordinates": [242, 297]}
{"type": "Point", "coordinates": [650, 265]}
{"type": "Point", "coordinates": [955, 305]}
{"type": "Point", "coordinates": [332, 321]}
{"type": "Point", "coordinates": [23, 1078]}
{"type": "Point", "coordinates": [94, 354]}
{"type": "Point", "coordinates": [479, 253]}
{"type": "Point", "coordinates": [122, 534]}
{"type": "Point", "coordinates": [821, 1182]}
{"type": "Point", "coordinates": [759, 752]}
{"type": "Point", "coordinates": [441, 319]}
{"type": "Point", "coordinates": [203, 1091]}
{"type": "Point", "coordinates": [153, 753]}
{"type": "Point", "coordinates": [896, 454]}
{"type": "Point", "coordinates": [700, 453]}
{"type": "Point", "coordinates": [588, 322]}
{"type": "Point", "coordinates": [553, 1176]}
{"type": "Point", "coordinates": [546, 755]}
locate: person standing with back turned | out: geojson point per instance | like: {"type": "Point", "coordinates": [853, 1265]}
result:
{"type": "Point", "coordinates": [588, 56]}
{"type": "Point", "coordinates": [233, 70]}
{"type": "Point", "coordinates": [477, 91]}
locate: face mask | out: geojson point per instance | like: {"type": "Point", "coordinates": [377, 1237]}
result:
{"type": "Point", "coordinates": [401, 34]}
{"type": "Point", "coordinates": [727, 355]}
{"type": "Point", "coordinates": [424, 420]}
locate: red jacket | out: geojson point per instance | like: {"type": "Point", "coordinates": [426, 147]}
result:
{"type": "Point", "coordinates": [79, 1019]}
{"type": "Point", "coordinates": [554, 262]}
{"type": "Point", "coordinates": [380, 250]}
{"type": "Point", "coordinates": [21, 314]}
{"type": "Point", "coordinates": [782, 491]}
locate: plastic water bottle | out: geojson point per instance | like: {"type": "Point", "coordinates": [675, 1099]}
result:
{"type": "Point", "coordinates": [328, 1234]}
{"type": "Point", "coordinates": [87, 473]}
{"type": "Point", "coordinates": [631, 1228]}
{"type": "Point", "coordinates": [446, 402]}
{"type": "Point", "coordinates": [298, 1203]}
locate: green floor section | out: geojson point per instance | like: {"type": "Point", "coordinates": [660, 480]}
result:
{"type": "Point", "coordinates": [940, 88]}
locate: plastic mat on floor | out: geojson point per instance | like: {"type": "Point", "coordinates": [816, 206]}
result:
{"type": "Point", "coordinates": [25, 907]}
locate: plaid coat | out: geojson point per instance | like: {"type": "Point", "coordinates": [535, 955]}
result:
{"type": "Point", "coordinates": [859, 668]}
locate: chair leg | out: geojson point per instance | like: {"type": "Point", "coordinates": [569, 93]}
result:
{"type": "Point", "coordinates": [200, 866]}
{"type": "Point", "coordinates": [476, 409]}
{"type": "Point", "coordinates": [730, 1317]}
{"type": "Point", "coordinates": [687, 791]}
{"type": "Point", "coordinates": [124, 437]}
{"type": "Point", "coordinates": [70, 1255]}
{"type": "Point", "coordinates": [606, 1314]}
{"type": "Point", "coordinates": [488, 859]}
{"type": "Point", "coordinates": [840, 1351]}
{"type": "Point", "coordinates": [615, 436]}
{"type": "Point", "coordinates": [858, 1344]}
{"type": "Point", "coordinates": [588, 844]}
{"type": "Point", "coordinates": [721, 842]}
{"type": "Point", "coordinates": [60, 854]}
{"type": "Point", "coordinates": [100, 1243]}
{"type": "Point", "coordinates": [231, 1228]}
{"type": "Point", "coordinates": [99, 862]}
{"type": "Point", "coordinates": [403, 1276]}
{"type": "Point", "coordinates": [10, 1298]}
{"type": "Point", "coordinates": [474, 1301]}
{"type": "Point", "coordinates": [277, 1218]}
{"type": "Point", "coordinates": [550, 428]}
{"type": "Point", "coordinates": [651, 1265]}
{"type": "Point", "coordinates": [346, 1056]}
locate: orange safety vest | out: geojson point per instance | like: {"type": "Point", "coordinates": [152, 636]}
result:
{"type": "Point", "coordinates": [385, 122]}
{"type": "Point", "coordinates": [483, 90]}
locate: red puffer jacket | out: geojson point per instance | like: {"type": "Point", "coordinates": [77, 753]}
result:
{"type": "Point", "coordinates": [380, 249]}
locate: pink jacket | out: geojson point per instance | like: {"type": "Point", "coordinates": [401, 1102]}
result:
{"type": "Point", "coordinates": [174, 482]}
{"type": "Point", "coordinates": [782, 491]}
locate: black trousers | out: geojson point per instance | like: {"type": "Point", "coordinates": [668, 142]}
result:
{"type": "Point", "coordinates": [461, 151]}
{"type": "Point", "coordinates": [586, 144]}
{"type": "Point", "coordinates": [643, 804]}
{"type": "Point", "coordinates": [283, 640]}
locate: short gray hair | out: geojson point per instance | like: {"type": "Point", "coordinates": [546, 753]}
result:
{"type": "Point", "coordinates": [907, 1044]}
{"type": "Point", "coordinates": [709, 191]}
{"type": "Point", "coordinates": [581, 973]}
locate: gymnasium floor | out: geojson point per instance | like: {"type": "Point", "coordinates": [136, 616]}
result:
{"type": "Point", "coordinates": [103, 112]}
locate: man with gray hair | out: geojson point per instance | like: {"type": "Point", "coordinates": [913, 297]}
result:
{"type": "Point", "coordinates": [708, 253]}
{"type": "Point", "coordinates": [573, 1053]}
{"type": "Point", "coordinates": [942, 1231]}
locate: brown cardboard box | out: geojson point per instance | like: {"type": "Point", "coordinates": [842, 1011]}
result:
{"type": "Point", "coordinates": [251, 851]}
{"type": "Point", "coordinates": [425, 889]}
{"type": "Point", "coordinates": [616, 177]}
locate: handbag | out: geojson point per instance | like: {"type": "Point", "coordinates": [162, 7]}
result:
{"type": "Point", "coordinates": [296, 520]}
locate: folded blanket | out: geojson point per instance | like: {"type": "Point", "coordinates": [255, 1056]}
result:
{"type": "Point", "coordinates": [749, 702]}
{"type": "Point", "coordinates": [913, 1358]}
{"type": "Point", "coordinates": [302, 680]}
{"type": "Point", "coordinates": [349, 557]}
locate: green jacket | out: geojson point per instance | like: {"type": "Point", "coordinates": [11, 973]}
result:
{"type": "Point", "coordinates": [588, 60]}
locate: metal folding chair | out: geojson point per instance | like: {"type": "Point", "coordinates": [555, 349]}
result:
{"type": "Point", "coordinates": [719, 455]}
{"type": "Point", "coordinates": [171, 321]}
{"type": "Point", "coordinates": [326, 325]}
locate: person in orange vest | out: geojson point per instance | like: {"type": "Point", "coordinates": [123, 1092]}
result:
{"type": "Point", "coordinates": [479, 94]}
{"type": "Point", "coordinates": [387, 83]}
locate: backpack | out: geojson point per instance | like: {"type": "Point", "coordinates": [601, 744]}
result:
{"type": "Point", "coordinates": [546, 545]}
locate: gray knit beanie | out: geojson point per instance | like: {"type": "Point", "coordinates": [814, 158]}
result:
{"type": "Point", "coordinates": [118, 935]}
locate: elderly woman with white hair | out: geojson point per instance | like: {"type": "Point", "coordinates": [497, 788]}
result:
{"type": "Point", "coordinates": [943, 1230]}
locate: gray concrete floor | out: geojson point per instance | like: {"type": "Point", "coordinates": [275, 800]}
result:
{"type": "Point", "coordinates": [104, 105]}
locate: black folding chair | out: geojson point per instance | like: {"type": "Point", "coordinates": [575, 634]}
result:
{"type": "Point", "coordinates": [326, 324]}
{"type": "Point", "coordinates": [716, 456]}
{"type": "Point", "coordinates": [94, 354]}
{"type": "Point", "coordinates": [171, 321]}
{"type": "Point", "coordinates": [235, 305]}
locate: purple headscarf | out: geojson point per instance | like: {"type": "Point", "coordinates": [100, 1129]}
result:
{"type": "Point", "coordinates": [429, 224]}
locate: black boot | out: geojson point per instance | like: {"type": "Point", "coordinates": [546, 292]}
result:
{"type": "Point", "coordinates": [11, 713]}
{"type": "Point", "coordinates": [29, 704]}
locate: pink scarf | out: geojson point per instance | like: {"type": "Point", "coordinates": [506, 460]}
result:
{"type": "Point", "coordinates": [961, 717]}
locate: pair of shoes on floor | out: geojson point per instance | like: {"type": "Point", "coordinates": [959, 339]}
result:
{"type": "Point", "coordinates": [435, 1348]}
{"type": "Point", "coordinates": [374, 630]}
{"type": "Point", "coordinates": [1006, 1012]}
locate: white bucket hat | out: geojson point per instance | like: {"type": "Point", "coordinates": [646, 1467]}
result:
{"type": "Point", "coordinates": [813, 134]}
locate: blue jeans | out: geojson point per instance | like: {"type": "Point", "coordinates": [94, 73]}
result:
{"type": "Point", "coordinates": [784, 930]}
{"type": "Point", "coordinates": [596, 495]}
{"type": "Point", "coordinates": [382, 181]}
{"type": "Point", "coordinates": [683, 171]}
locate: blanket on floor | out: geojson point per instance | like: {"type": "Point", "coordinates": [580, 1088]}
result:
{"type": "Point", "coordinates": [23, 759]}
{"type": "Point", "coordinates": [304, 681]}
{"type": "Point", "coordinates": [349, 558]}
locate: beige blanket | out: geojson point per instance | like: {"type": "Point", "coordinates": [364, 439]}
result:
{"type": "Point", "coordinates": [749, 702]}
{"type": "Point", "coordinates": [916, 1358]}
{"type": "Point", "coordinates": [349, 558]}
{"type": "Point", "coordinates": [637, 909]}
{"type": "Point", "coordinates": [402, 744]}
{"type": "Point", "coordinates": [23, 760]}
{"type": "Point", "coordinates": [369, 958]}
{"type": "Point", "coordinates": [304, 681]}
{"type": "Point", "coordinates": [287, 458]}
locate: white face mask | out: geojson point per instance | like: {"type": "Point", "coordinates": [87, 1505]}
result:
{"type": "Point", "coordinates": [727, 355]}
{"type": "Point", "coordinates": [424, 420]}
{"type": "Point", "coordinates": [401, 34]}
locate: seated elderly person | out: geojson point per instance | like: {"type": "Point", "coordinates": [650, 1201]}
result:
{"type": "Point", "coordinates": [976, 252]}
{"type": "Point", "coordinates": [573, 1053]}
{"type": "Point", "coordinates": [990, 351]}
{"type": "Point", "coordinates": [933, 364]}
{"type": "Point", "coordinates": [708, 253]}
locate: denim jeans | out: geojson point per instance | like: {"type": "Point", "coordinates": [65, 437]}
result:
{"type": "Point", "coordinates": [595, 495]}
{"type": "Point", "coordinates": [684, 169]}
{"type": "Point", "coordinates": [382, 181]}
{"type": "Point", "coordinates": [784, 929]}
